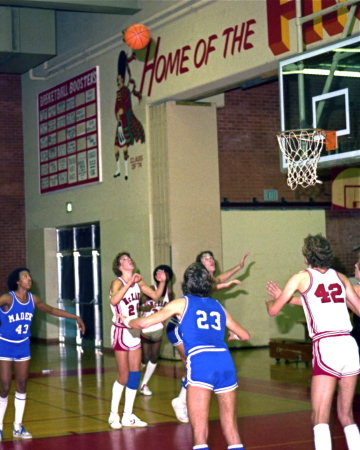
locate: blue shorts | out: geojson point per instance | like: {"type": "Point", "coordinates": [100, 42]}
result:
{"type": "Point", "coordinates": [173, 333]}
{"type": "Point", "coordinates": [14, 351]}
{"type": "Point", "coordinates": [211, 369]}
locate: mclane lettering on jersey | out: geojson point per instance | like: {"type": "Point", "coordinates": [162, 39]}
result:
{"type": "Point", "coordinates": [134, 297]}
{"type": "Point", "coordinates": [21, 316]}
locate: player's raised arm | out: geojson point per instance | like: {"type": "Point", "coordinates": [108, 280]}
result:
{"type": "Point", "coordinates": [229, 273]}
{"type": "Point", "coordinates": [152, 293]}
{"type": "Point", "coordinates": [236, 328]}
{"type": "Point", "coordinates": [44, 307]}
{"type": "Point", "coordinates": [275, 291]}
{"type": "Point", "coordinates": [296, 283]}
{"type": "Point", "coordinates": [118, 289]}
{"type": "Point", "coordinates": [175, 307]}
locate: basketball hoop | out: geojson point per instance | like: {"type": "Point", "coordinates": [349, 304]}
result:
{"type": "Point", "coordinates": [302, 149]}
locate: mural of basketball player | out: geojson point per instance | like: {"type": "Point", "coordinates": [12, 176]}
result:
{"type": "Point", "coordinates": [129, 129]}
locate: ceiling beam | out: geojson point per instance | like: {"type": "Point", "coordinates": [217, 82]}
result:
{"type": "Point", "coordinates": [91, 6]}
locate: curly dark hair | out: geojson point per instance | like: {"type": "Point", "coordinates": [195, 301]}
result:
{"type": "Point", "coordinates": [166, 269]}
{"type": "Point", "coordinates": [318, 252]}
{"type": "Point", "coordinates": [200, 255]}
{"type": "Point", "coordinates": [14, 277]}
{"type": "Point", "coordinates": [116, 263]}
{"type": "Point", "coordinates": [197, 281]}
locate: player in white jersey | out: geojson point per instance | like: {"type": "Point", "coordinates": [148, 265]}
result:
{"type": "Point", "coordinates": [16, 314]}
{"type": "Point", "coordinates": [151, 337]}
{"type": "Point", "coordinates": [325, 297]}
{"type": "Point", "coordinates": [124, 299]}
{"type": "Point", "coordinates": [209, 365]}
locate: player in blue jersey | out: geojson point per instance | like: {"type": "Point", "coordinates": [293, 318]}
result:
{"type": "Point", "coordinates": [16, 314]}
{"type": "Point", "coordinates": [221, 281]}
{"type": "Point", "coordinates": [203, 322]}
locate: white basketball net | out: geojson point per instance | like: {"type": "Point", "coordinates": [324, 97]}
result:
{"type": "Point", "coordinates": [302, 149]}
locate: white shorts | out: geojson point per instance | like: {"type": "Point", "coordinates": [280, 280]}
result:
{"type": "Point", "coordinates": [125, 339]}
{"type": "Point", "coordinates": [153, 333]}
{"type": "Point", "coordinates": [336, 356]}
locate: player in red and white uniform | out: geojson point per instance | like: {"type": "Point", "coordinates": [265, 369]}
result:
{"type": "Point", "coordinates": [326, 296]}
{"type": "Point", "coordinates": [151, 337]}
{"type": "Point", "coordinates": [124, 299]}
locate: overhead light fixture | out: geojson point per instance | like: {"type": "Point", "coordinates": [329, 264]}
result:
{"type": "Point", "coordinates": [347, 50]}
{"type": "Point", "coordinates": [68, 207]}
{"type": "Point", "coordinates": [325, 72]}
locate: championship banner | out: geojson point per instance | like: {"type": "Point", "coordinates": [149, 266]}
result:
{"type": "Point", "coordinates": [69, 141]}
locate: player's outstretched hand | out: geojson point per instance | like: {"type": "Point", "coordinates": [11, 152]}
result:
{"type": "Point", "coordinates": [273, 289]}
{"type": "Point", "coordinates": [80, 324]}
{"type": "Point", "coordinates": [161, 276]}
{"type": "Point", "coordinates": [233, 337]}
{"type": "Point", "coordinates": [242, 262]}
{"type": "Point", "coordinates": [136, 278]}
{"type": "Point", "coordinates": [121, 317]}
{"type": "Point", "coordinates": [227, 284]}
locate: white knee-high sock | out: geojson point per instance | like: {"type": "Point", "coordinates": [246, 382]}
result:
{"type": "Point", "coordinates": [322, 436]}
{"type": "Point", "coordinates": [3, 406]}
{"type": "Point", "coordinates": [20, 401]}
{"type": "Point", "coordinates": [130, 395]}
{"type": "Point", "coordinates": [117, 391]}
{"type": "Point", "coordinates": [150, 368]}
{"type": "Point", "coordinates": [352, 435]}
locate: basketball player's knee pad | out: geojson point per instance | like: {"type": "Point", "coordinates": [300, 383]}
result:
{"type": "Point", "coordinates": [134, 380]}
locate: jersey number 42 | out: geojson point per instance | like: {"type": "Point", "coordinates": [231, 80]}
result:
{"type": "Point", "coordinates": [333, 293]}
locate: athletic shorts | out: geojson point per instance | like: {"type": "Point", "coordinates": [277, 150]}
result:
{"type": "Point", "coordinates": [125, 339]}
{"type": "Point", "coordinates": [211, 369]}
{"type": "Point", "coordinates": [152, 335]}
{"type": "Point", "coordinates": [336, 356]}
{"type": "Point", "coordinates": [14, 351]}
{"type": "Point", "coordinates": [173, 333]}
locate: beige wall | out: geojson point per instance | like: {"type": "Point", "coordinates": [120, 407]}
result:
{"type": "Point", "coordinates": [41, 260]}
{"type": "Point", "coordinates": [274, 240]}
{"type": "Point", "coordinates": [194, 193]}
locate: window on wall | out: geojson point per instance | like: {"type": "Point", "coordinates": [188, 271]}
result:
{"type": "Point", "coordinates": [79, 284]}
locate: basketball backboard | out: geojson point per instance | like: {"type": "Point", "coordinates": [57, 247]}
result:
{"type": "Point", "coordinates": [320, 89]}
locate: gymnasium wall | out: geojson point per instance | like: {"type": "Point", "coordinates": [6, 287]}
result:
{"type": "Point", "coordinates": [12, 200]}
{"type": "Point", "coordinates": [274, 240]}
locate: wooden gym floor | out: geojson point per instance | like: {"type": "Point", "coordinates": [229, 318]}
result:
{"type": "Point", "coordinates": [68, 400]}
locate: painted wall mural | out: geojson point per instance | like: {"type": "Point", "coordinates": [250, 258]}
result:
{"type": "Point", "coordinates": [129, 129]}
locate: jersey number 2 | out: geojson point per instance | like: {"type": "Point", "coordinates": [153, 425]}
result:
{"type": "Point", "coordinates": [203, 319]}
{"type": "Point", "coordinates": [333, 293]}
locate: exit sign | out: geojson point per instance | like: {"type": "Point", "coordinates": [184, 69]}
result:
{"type": "Point", "coordinates": [270, 195]}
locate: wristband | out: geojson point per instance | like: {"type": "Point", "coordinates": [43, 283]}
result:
{"type": "Point", "coordinates": [126, 321]}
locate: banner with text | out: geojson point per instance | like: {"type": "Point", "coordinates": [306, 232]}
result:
{"type": "Point", "coordinates": [69, 141]}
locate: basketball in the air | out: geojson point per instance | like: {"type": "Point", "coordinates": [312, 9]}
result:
{"type": "Point", "coordinates": [137, 36]}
